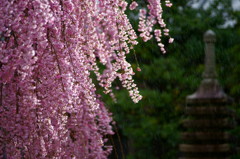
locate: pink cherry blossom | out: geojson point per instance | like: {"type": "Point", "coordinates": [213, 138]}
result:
{"type": "Point", "coordinates": [171, 40]}
{"type": "Point", "coordinates": [133, 5]}
{"type": "Point", "coordinates": [49, 107]}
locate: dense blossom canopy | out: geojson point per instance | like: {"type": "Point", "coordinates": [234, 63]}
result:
{"type": "Point", "coordinates": [48, 102]}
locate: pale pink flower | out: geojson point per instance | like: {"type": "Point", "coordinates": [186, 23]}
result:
{"type": "Point", "coordinates": [133, 5]}
{"type": "Point", "coordinates": [170, 40]}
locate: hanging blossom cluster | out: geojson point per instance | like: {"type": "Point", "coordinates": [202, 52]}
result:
{"type": "Point", "coordinates": [49, 107]}
{"type": "Point", "coordinates": [154, 16]}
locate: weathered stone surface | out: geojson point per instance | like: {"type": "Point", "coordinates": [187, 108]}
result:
{"type": "Point", "coordinates": [205, 136]}
{"type": "Point", "coordinates": [204, 148]}
{"type": "Point", "coordinates": [208, 123]}
{"type": "Point", "coordinates": [212, 110]}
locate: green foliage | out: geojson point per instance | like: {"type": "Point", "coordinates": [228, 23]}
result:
{"type": "Point", "coordinates": [152, 125]}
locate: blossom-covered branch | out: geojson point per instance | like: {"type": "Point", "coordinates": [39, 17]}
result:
{"type": "Point", "coordinates": [49, 105]}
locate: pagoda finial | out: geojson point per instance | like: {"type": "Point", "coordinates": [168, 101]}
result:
{"type": "Point", "coordinates": [210, 64]}
{"type": "Point", "coordinates": [209, 88]}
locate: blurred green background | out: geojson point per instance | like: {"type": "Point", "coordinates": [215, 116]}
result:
{"type": "Point", "coordinates": [150, 129]}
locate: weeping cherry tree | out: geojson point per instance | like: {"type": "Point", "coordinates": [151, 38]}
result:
{"type": "Point", "coordinates": [49, 108]}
